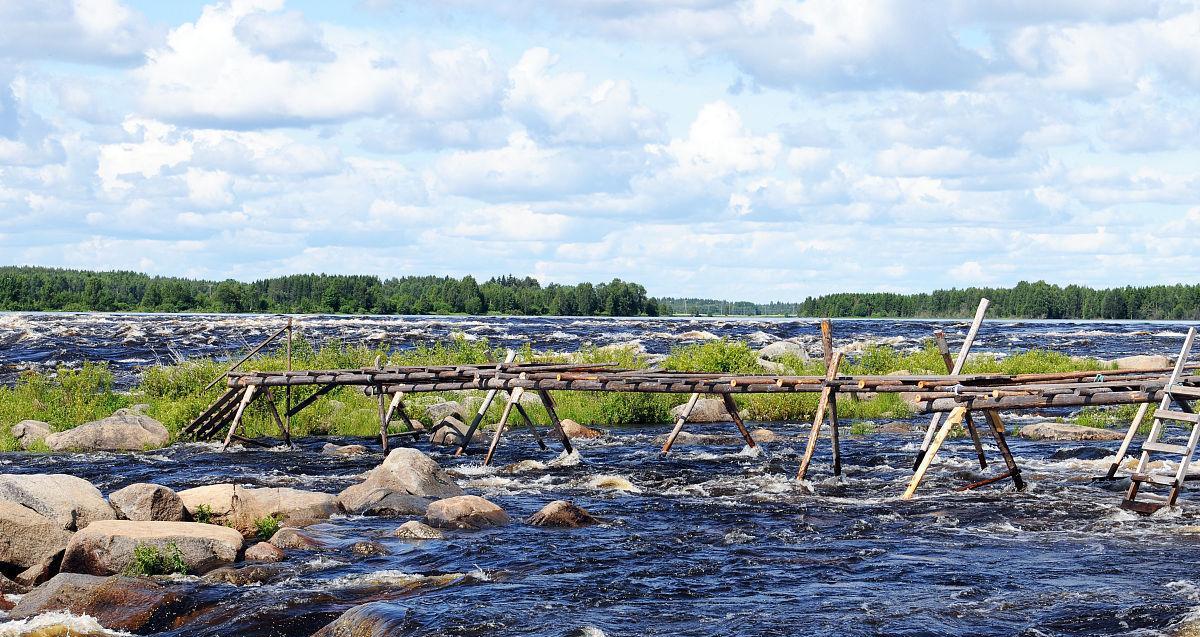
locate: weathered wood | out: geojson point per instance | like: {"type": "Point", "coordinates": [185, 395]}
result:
{"type": "Point", "coordinates": [245, 358]}
{"type": "Point", "coordinates": [731, 407]}
{"type": "Point", "coordinates": [548, 403]}
{"type": "Point", "coordinates": [683, 416]}
{"type": "Point", "coordinates": [237, 417]}
{"type": "Point", "coordinates": [508, 407]}
{"type": "Point", "coordinates": [819, 416]}
{"type": "Point", "coordinates": [834, 427]}
{"type": "Point", "coordinates": [939, 337]}
{"type": "Point", "coordinates": [998, 434]}
{"type": "Point", "coordinates": [954, 418]}
{"type": "Point", "coordinates": [1125, 442]}
{"type": "Point", "coordinates": [958, 365]}
{"type": "Point", "coordinates": [324, 389]}
{"type": "Point", "coordinates": [487, 402]}
{"type": "Point", "coordinates": [284, 429]}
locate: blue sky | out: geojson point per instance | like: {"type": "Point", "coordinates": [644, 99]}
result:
{"type": "Point", "coordinates": [762, 150]}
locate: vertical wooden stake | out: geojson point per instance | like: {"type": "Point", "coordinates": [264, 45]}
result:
{"type": "Point", "coordinates": [384, 417]}
{"type": "Point", "coordinates": [508, 407]}
{"type": "Point", "coordinates": [819, 417]}
{"type": "Point", "coordinates": [1124, 449]}
{"type": "Point", "coordinates": [487, 402]}
{"type": "Point", "coordinates": [237, 417]}
{"type": "Point", "coordinates": [548, 403]}
{"type": "Point", "coordinates": [834, 437]}
{"type": "Point", "coordinates": [956, 370]}
{"type": "Point", "coordinates": [683, 416]}
{"type": "Point", "coordinates": [287, 409]}
{"type": "Point", "coordinates": [954, 418]}
{"type": "Point", "coordinates": [940, 338]}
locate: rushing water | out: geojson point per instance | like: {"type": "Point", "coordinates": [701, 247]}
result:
{"type": "Point", "coordinates": [713, 539]}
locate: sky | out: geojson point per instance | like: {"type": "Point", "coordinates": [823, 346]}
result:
{"type": "Point", "coordinates": [760, 150]}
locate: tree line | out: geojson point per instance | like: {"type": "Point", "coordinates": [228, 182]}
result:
{"type": "Point", "coordinates": [53, 289]}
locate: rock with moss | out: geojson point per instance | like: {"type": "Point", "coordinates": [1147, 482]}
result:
{"type": "Point", "coordinates": [148, 502]}
{"type": "Point", "coordinates": [108, 547]}
{"type": "Point", "coordinates": [467, 512]}
{"type": "Point", "coordinates": [71, 502]}
{"type": "Point", "coordinates": [117, 603]}
{"type": "Point", "coordinates": [1062, 431]}
{"type": "Point", "coordinates": [30, 432]}
{"type": "Point", "coordinates": [125, 430]}
{"type": "Point", "coordinates": [242, 508]}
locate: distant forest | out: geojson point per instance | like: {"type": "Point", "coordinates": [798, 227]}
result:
{"type": "Point", "coordinates": [53, 289]}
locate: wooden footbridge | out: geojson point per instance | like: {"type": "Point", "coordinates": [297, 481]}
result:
{"type": "Point", "coordinates": [952, 398]}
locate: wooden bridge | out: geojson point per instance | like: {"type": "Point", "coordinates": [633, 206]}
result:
{"type": "Point", "coordinates": [951, 397]}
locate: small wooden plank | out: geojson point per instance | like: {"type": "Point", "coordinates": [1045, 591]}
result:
{"type": "Point", "coordinates": [1177, 415]}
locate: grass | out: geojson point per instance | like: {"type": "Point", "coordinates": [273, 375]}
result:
{"type": "Point", "coordinates": [149, 559]}
{"type": "Point", "coordinates": [266, 527]}
{"type": "Point", "coordinates": [203, 514]}
{"type": "Point", "coordinates": [175, 394]}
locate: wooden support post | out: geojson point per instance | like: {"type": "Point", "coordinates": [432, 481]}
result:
{"type": "Point", "coordinates": [997, 426]}
{"type": "Point", "coordinates": [954, 418]}
{"type": "Point", "coordinates": [237, 417]}
{"type": "Point", "coordinates": [731, 407]}
{"type": "Point", "coordinates": [384, 417]}
{"type": "Point", "coordinates": [834, 437]}
{"type": "Point", "coordinates": [245, 358]}
{"type": "Point", "coordinates": [683, 416]}
{"type": "Point", "coordinates": [1124, 449]}
{"type": "Point", "coordinates": [324, 389]}
{"type": "Point", "coordinates": [537, 435]}
{"type": "Point", "coordinates": [940, 338]}
{"type": "Point", "coordinates": [487, 402]}
{"type": "Point", "coordinates": [508, 407]}
{"type": "Point", "coordinates": [819, 417]}
{"type": "Point", "coordinates": [548, 403]}
{"type": "Point", "coordinates": [287, 407]}
{"type": "Point", "coordinates": [283, 428]}
{"type": "Point", "coordinates": [956, 370]}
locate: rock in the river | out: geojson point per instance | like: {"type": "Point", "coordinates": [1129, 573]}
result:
{"type": "Point", "coordinates": [30, 432]}
{"type": "Point", "coordinates": [331, 449]}
{"type": "Point", "coordinates": [406, 471]}
{"type": "Point", "coordinates": [440, 411]}
{"type": "Point", "coordinates": [374, 619]}
{"type": "Point", "coordinates": [894, 427]}
{"type": "Point", "coordinates": [523, 466]}
{"type": "Point", "coordinates": [117, 603]}
{"type": "Point", "coordinates": [106, 547]}
{"type": "Point", "coordinates": [125, 430]}
{"type": "Point", "coordinates": [247, 575]}
{"type": "Point", "coordinates": [469, 512]}
{"type": "Point", "coordinates": [416, 530]}
{"type": "Point", "coordinates": [449, 431]}
{"type": "Point", "coordinates": [1143, 362]}
{"type": "Point", "coordinates": [382, 502]}
{"type": "Point", "coordinates": [761, 435]}
{"type": "Point", "coordinates": [295, 539]}
{"type": "Point", "coordinates": [239, 507]}
{"type": "Point", "coordinates": [576, 430]}
{"type": "Point", "coordinates": [264, 552]}
{"type": "Point", "coordinates": [779, 349]}
{"type": "Point", "coordinates": [706, 410]}
{"type": "Point", "coordinates": [698, 335]}
{"type": "Point", "coordinates": [562, 514]}
{"type": "Point", "coordinates": [71, 502]}
{"type": "Point", "coordinates": [28, 538]}
{"type": "Point", "coordinates": [369, 549]}
{"type": "Point", "coordinates": [1067, 431]}
{"type": "Point", "coordinates": [145, 501]}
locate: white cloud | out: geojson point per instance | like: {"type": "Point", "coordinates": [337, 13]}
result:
{"type": "Point", "coordinates": [87, 31]}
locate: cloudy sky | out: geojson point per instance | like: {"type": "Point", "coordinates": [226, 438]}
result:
{"type": "Point", "coordinates": [756, 150]}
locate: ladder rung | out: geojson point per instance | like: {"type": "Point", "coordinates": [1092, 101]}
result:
{"type": "Point", "coordinates": [1177, 415]}
{"type": "Point", "coordinates": [1154, 478]}
{"type": "Point", "coordinates": [1162, 447]}
{"type": "Point", "coordinates": [1141, 507]}
{"type": "Point", "coordinates": [1153, 498]}
{"type": "Point", "coordinates": [1183, 390]}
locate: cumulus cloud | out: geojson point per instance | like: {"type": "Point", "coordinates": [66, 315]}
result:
{"type": "Point", "coordinates": [88, 31]}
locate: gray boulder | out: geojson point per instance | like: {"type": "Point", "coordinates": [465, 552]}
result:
{"type": "Point", "coordinates": [779, 349]}
{"type": "Point", "coordinates": [562, 514]}
{"type": "Point", "coordinates": [28, 538]}
{"type": "Point", "coordinates": [30, 432]}
{"type": "Point", "coordinates": [417, 530]}
{"type": "Point", "coordinates": [440, 411]}
{"type": "Point", "coordinates": [1143, 361]}
{"type": "Point", "coordinates": [706, 410]}
{"type": "Point", "coordinates": [331, 449]}
{"type": "Point", "coordinates": [72, 503]}
{"type": "Point", "coordinates": [1062, 431]}
{"type": "Point", "coordinates": [125, 430]}
{"type": "Point", "coordinates": [469, 512]}
{"type": "Point", "coordinates": [382, 502]}
{"type": "Point", "coordinates": [145, 501]}
{"type": "Point", "coordinates": [405, 471]}
{"type": "Point", "coordinates": [450, 432]}
{"type": "Point", "coordinates": [117, 603]}
{"type": "Point", "coordinates": [106, 547]}
{"type": "Point", "coordinates": [264, 552]}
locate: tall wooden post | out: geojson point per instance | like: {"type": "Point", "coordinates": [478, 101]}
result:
{"type": "Point", "coordinates": [287, 414]}
{"type": "Point", "coordinates": [834, 438]}
{"type": "Point", "coordinates": [956, 370]}
{"type": "Point", "coordinates": [822, 405]}
{"type": "Point", "coordinates": [939, 337]}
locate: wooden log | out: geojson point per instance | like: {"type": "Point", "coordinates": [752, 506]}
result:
{"type": "Point", "coordinates": [958, 365]}
{"type": "Point", "coordinates": [324, 389]}
{"type": "Point", "coordinates": [939, 338]}
{"type": "Point", "coordinates": [283, 428]}
{"type": "Point", "coordinates": [819, 417]}
{"type": "Point", "coordinates": [508, 407]}
{"type": "Point", "coordinates": [834, 437]}
{"type": "Point", "coordinates": [237, 418]}
{"type": "Point", "coordinates": [548, 403]}
{"type": "Point", "coordinates": [683, 416]}
{"type": "Point", "coordinates": [487, 402]}
{"type": "Point", "coordinates": [954, 418]}
{"type": "Point", "coordinates": [245, 358]}
{"type": "Point", "coordinates": [731, 407]}
{"type": "Point", "coordinates": [997, 425]}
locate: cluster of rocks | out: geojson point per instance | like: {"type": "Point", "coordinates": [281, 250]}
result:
{"type": "Point", "coordinates": [125, 430]}
{"type": "Point", "coordinates": [67, 547]}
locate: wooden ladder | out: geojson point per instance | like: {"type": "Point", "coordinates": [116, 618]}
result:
{"type": "Point", "coordinates": [1177, 395]}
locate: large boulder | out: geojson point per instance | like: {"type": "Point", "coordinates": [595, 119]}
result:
{"type": "Point", "coordinates": [449, 431]}
{"type": "Point", "coordinates": [240, 507]}
{"type": "Point", "coordinates": [145, 501]}
{"type": "Point", "coordinates": [404, 472]}
{"type": "Point", "coordinates": [382, 502]}
{"type": "Point", "coordinates": [28, 538]}
{"type": "Point", "coordinates": [374, 619]}
{"type": "Point", "coordinates": [125, 430]}
{"type": "Point", "coordinates": [576, 430]}
{"type": "Point", "coordinates": [72, 503]}
{"type": "Point", "coordinates": [264, 552]}
{"type": "Point", "coordinates": [106, 547]}
{"type": "Point", "coordinates": [440, 411]}
{"type": "Point", "coordinates": [30, 432]}
{"type": "Point", "coordinates": [562, 514]}
{"type": "Point", "coordinates": [706, 410]}
{"type": "Point", "coordinates": [1062, 431]}
{"type": "Point", "coordinates": [117, 603]}
{"type": "Point", "coordinates": [779, 349]}
{"type": "Point", "coordinates": [1143, 361]}
{"type": "Point", "coordinates": [469, 512]}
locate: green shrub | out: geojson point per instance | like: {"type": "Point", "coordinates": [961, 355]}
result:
{"type": "Point", "coordinates": [203, 514]}
{"type": "Point", "coordinates": [722, 355]}
{"type": "Point", "coordinates": [149, 559]}
{"type": "Point", "coordinates": [266, 527]}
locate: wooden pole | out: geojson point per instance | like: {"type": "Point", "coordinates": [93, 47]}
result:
{"type": "Point", "coordinates": [287, 408]}
{"type": "Point", "coordinates": [1125, 442]}
{"type": "Point", "coordinates": [245, 358]}
{"type": "Point", "coordinates": [731, 407]}
{"type": "Point", "coordinates": [237, 417]}
{"type": "Point", "coordinates": [956, 370]}
{"type": "Point", "coordinates": [283, 430]}
{"type": "Point", "coordinates": [487, 402]}
{"type": "Point", "coordinates": [508, 407]}
{"type": "Point", "coordinates": [834, 437]}
{"type": "Point", "coordinates": [940, 338]}
{"type": "Point", "coordinates": [683, 416]}
{"type": "Point", "coordinates": [548, 403]}
{"type": "Point", "coordinates": [537, 435]}
{"type": "Point", "coordinates": [997, 426]}
{"type": "Point", "coordinates": [819, 416]}
{"type": "Point", "coordinates": [384, 415]}
{"type": "Point", "coordinates": [954, 418]}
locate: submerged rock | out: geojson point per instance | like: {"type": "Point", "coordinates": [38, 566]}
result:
{"type": "Point", "coordinates": [245, 575]}
{"type": "Point", "coordinates": [30, 432]}
{"type": "Point", "coordinates": [106, 547]}
{"type": "Point", "coordinates": [417, 530]}
{"type": "Point", "coordinates": [449, 431]}
{"type": "Point", "coordinates": [295, 539]}
{"type": "Point", "coordinates": [374, 619]}
{"type": "Point", "coordinates": [118, 602]}
{"type": "Point", "coordinates": [369, 549]}
{"type": "Point", "coordinates": [28, 538]}
{"type": "Point", "coordinates": [239, 507]}
{"type": "Point", "coordinates": [706, 410]}
{"type": "Point", "coordinates": [145, 501]}
{"type": "Point", "coordinates": [612, 483]}
{"type": "Point", "coordinates": [331, 449]}
{"type": "Point", "coordinates": [469, 512]}
{"type": "Point", "coordinates": [523, 466]}
{"type": "Point", "coordinates": [70, 502]}
{"type": "Point", "coordinates": [264, 552]}
{"type": "Point", "coordinates": [562, 514]}
{"type": "Point", "coordinates": [405, 471]}
{"type": "Point", "coordinates": [1066, 431]}
{"type": "Point", "coordinates": [576, 430]}
{"type": "Point", "coordinates": [764, 435]}
{"type": "Point", "coordinates": [125, 430]}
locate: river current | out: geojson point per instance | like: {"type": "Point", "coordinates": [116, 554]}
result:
{"type": "Point", "coordinates": [712, 540]}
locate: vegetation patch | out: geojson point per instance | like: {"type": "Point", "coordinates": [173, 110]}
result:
{"type": "Point", "coordinates": [149, 559]}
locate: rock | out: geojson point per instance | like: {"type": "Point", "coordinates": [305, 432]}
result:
{"type": "Point", "coordinates": [369, 549]}
{"type": "Point", "coordinates": [613, 483]}
{"type": "Point", "coordinates": [562, 514]}
{"type": "Point", "coordinates": [772, 367]}
{"type": "Point", "coordinates": [117, 603]}
{"type": "Point", "coordinates": [331, 449]}
{"type": "Point", "coordinates": [706, 410]}
{"type": "Point", "coordinates": [71, 502]}
{"type": "Point", "coordinates": [764, 435]}
{"type": "Point", "coordinates": [1066, 431]}
{"type": "Point", "coordinates": [469, 512]}
{"type": "Point", "coordinates": [438, 412]}
{"type": "Point", "coordinates": [576, 430]}
{"type": "Point", "coordinates": [697, 335]}
{"type": "Point", "coordinates": [1143, 362]}
{"type": "Point", "coordinates": [374, 619]}
{"type": "Point", "coordinates": [295, 539]}
{"type": "Point", "coordinates": [779, 349]}
{"type": "Point", "coordinates": [405, 471]}
{"type": "Point", "coordinates": [450, 432]}
{"type": "Point", "coordinates": [7, 588]}
{"type": "Point", "coordinates": [895, 427]}
{"type": "Point", "coordinates": [688, 438]}
{"type": "Point", "coordinates": [41, 571]}
{"type": "Point", "coordinates": [635, 346]}
{"type": "Point", "coordinates": [245, 575]}
{"type": "Point", "coordinates": [106, 547]}
{"type": "Point", "coordinates": [523, 466]}
{"type": "Point", "coordinates": [145, 501]}
{"type": "Point", "coordinates": [28, 538]}
{"type": "Point", "coordinates": [264, 552]}
{"type": "Point", "coordinates": [125, 430]}
{"type": "Point", "coordinates": [416, 530]}
{"type": "Point", "coordinates": [29, 432]}
{"type": "Point", "coordinates": [239, 507]}
{"type": "Point", "coordinates": [383, 502]}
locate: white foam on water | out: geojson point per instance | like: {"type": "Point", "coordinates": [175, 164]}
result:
{"type": "Point", "coordinates": [75, 624]}
{"type": "Point", "coordinates": [565, 459]}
